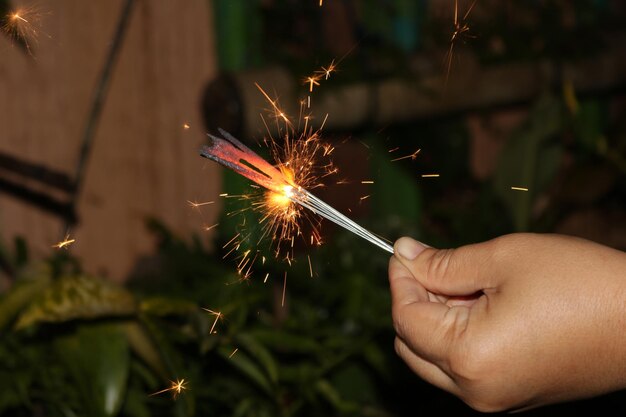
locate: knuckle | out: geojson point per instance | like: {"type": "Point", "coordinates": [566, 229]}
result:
{"type": "Point", "coordinates": [439, 264]}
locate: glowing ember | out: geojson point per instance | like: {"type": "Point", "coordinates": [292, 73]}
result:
{"type": "Point", "coordinates": [176, 388]}
{"type": "Point", "coordinates": [24, 25]}
{"type": "Point", "coordinates": [461, 29]}
{"type": "Point", "coordinates": [67, 241]}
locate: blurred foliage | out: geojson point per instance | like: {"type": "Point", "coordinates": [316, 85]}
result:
{"type": "Point", "coordinates": [73, 344]}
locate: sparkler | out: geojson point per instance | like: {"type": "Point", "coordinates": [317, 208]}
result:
{"type": "Point", "coordinates": [286, 183]}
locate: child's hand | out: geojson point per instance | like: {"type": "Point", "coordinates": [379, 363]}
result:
{"type": "Point", "coordinates": [516, 322]}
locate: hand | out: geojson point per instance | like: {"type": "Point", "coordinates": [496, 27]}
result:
{"type": "Point", "coordinates": [513, 323]}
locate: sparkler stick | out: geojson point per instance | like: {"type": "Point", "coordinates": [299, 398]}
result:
{"type": "Point", "coordinates": [233, 154]}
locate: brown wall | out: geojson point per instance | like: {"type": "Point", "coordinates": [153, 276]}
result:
{"type": "Point", "coordinates": [143, 162]}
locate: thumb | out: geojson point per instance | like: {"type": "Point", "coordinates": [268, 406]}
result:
{"type": "Point", "coordinates": [452, 272]}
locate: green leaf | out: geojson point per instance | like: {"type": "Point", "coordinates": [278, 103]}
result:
{"type": "Point", "coordinates": [286, 342]}
{"type": "Point", "coordinates": [98, 359]}
{"type": "Point", "coordinates": [395, 192]}
{"type": "Point", "coordinates": [256, 349]}
{"type": "Point", "coordinates": [166, 306]}
{"type": "Point", "coordinates": [328, 391]}
{"type": "Point", "coordinates": [77, 297]}
{"type": "Point", "coordinates": [528, 162]}
{"type": "Point", "coordinates": [28, 287]}
{"type": "Point", "coordinates": [246, 366]}
{"type": "Point", "coordinates": [144, 347]}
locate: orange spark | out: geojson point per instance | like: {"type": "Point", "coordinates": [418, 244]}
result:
{"type": "Point", "coordinates": [194, 204]}
{"type": "Point", "coordinates": [312, 80]}
{"type": "Point", "coordinates": [177, 387]}
{"type": "Point", "coordinates": [430, 175]}
{"type": "Point", "coordinates": [461, 29]}
{"type": "Point", "coordinates": [24, 25]}
{"type": "Point", "coordinates": [367, 182]}
{"type": "Point", "coordinates": [326, 71]}
{"type": "Point", "coordinates": [17, 16]}
{"type": "Point", "coordinates": [186, 126]}
{"type": "Point", "coordinates": [519, 188]}
{"type": "Point", "coordinates": [282, 303]}
{"type": "Point", "coordinates": [218, 316]}
{"type": "Point", "coordinates": [413, 156]}
{"type": "Point", "coordinates": [64, 243]}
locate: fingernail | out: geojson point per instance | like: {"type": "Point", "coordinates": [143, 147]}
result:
{"type": "Point", "coordinates": [408, 248]}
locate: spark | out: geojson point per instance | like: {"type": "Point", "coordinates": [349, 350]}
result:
{"type": "Point", "coordinates": [519, 188]}
{"type": "Point", "coordinates": [461, 29]}
{"type": "Point", "coordinates": [394, 149]}
{"type": "Point", "coordinates": [17, 16]}
{"type": "Point", "coordinates": [218, 316]}
{"type": "Point", "coordinates": [24, 26]}
{"type": "Point", "coordinates": [177, 387]}
{"type": "Point", "coordinates": [186, 126]}
{"type": "Point", "coordinates": [365, 197]}
{"type": "Point", "coordinates": [194, 204]}
{"type": "Point", "coordinates": [64, 243]}
{"type": "Point", "coordinates": [326, 71]}
{"type": "Point", "coordinates": [278, 113]}
{"type": "Point", "coordinates": [367, 182]}
{"type": "Point", "coordinates": [282, 303]}
{"type": "Point", "coordinates": [311, 81]}
{"type": "Point", "coordinates": [207, 228]}
{"type": "Point", "coordinates": [430, 175]}
{"type": "Point", "coordinates": [310, 266]}
{"type": "Point", "coordinates": [233, 353]}
{"type": "Point", "coordinates": [412, 156]}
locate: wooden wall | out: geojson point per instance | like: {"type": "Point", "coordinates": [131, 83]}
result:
{"type": "Point", "coordinates": [143, 162]}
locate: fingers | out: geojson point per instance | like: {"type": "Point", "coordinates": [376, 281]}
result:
{"type": "Point", "coordinates": [430, 329]}
{"type": "Point", "coordinates": [427, 371]}
{"type": "Point", "coordinates": [454, 272]}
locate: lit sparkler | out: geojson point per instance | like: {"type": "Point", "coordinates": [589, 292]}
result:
{"type": "Point", "coordinates": [286, 183]}
{"type": "Point", "coordinates": [176, 388]}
